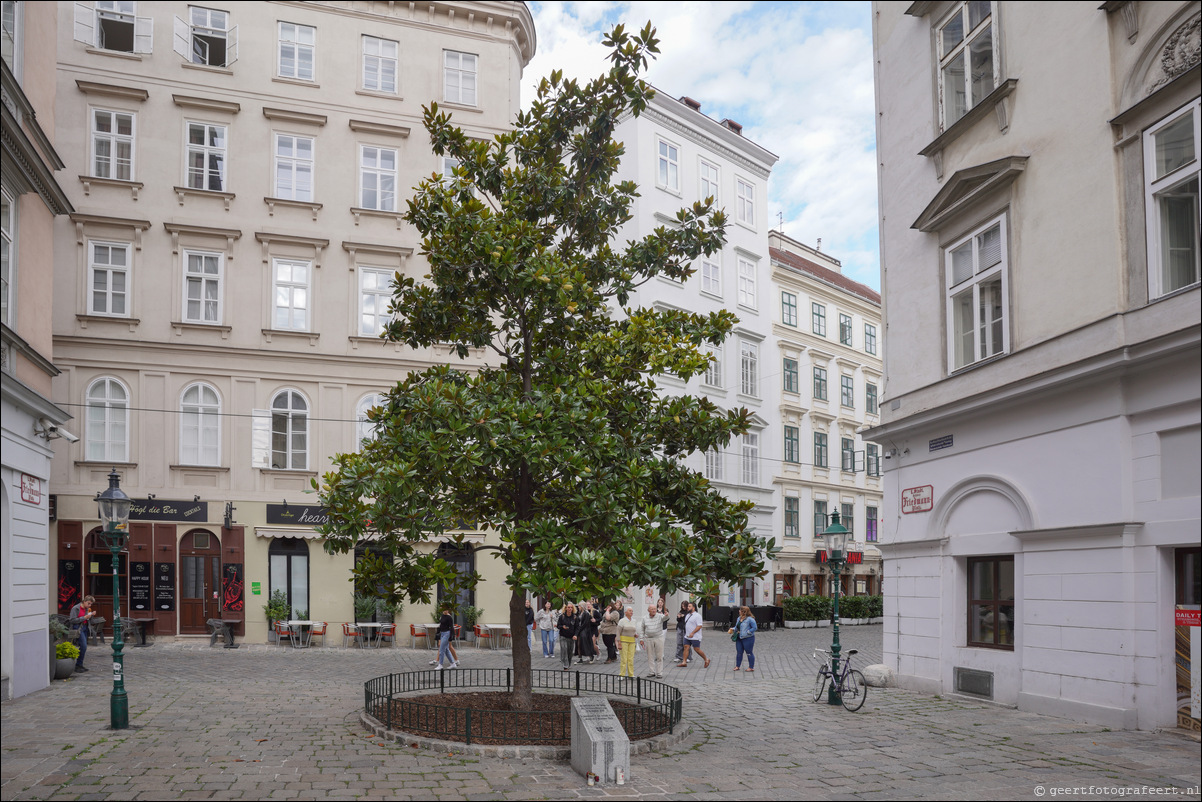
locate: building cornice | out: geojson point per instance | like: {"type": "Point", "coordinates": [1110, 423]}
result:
{"type": "Point", "coordinates": [699, 137]}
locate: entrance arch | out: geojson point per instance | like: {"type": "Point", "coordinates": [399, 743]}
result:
{"type": "Point", "coordinates": [200, 581]}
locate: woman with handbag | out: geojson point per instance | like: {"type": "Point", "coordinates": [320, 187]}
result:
{"type": "Point", "coordinates": [743, 635]}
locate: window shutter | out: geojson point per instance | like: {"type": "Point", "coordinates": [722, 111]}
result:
{"type": "Point", "coordinates": [261, 438]}
{"type": "Point", "coordinates": [231, 45]}
{"type": "Point", "coordinates": [859, 462]}
{"type": "Point", "coordinates": [182, 40]}
{"type": "Point", "coordinates": [143, 34]}
{"type": "Point", "coordinates": [85, 24]}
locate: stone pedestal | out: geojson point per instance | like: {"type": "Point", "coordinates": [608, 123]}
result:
{"type": "Point", "coordinates": [599, 744]}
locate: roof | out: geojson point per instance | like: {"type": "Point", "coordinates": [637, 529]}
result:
{"type": "Point", "coordinates": [826, 275]}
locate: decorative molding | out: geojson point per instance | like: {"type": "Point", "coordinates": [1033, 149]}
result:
{"type": "Point", "coordinates": [80, 220]}
{"type": "Point", "coordinates": [966, 187]}
{"type": "Point", "coordinates": [15, 342]}
{"type": "Point", "coordinates": [358, 212]}
{"type": "Point", "coordinates": [356, 339]}
{"type": "Point", "coordinates": [178, 326]}
{"type": "Point", "coordinates": [267, 239]}
{"type": "Point", "coordinates": [84, 320]}
{"type": "Point", "coordinates": [975, 484]}
{"type": "Point", "coordinates": [314, 208]}
{"type": "Point", "coordinates": [88, 180]}
{"type": "Point", "coordinates": [716, 146]}
{"type": "Point", "coordinates": [112, 90]}
{"type": "Point", "coordinates": [301, 117]}
{"type": "Point", "coordinates": [1130, 16]}
{"type": "Point", "coordinates": [183, 192]}
{"type": "Point", "coordinates": [970, 119]}
{"type": "Point", "coordinates": [312, 336]}
{"type": "Point", "coordinates": [1182, 51]}
{"type": "Point", "coordinates": [206, 104]}
{"type": "Point", "coordinates": [379, 129]}
{"type": "Point", "coordinates": [354, 248]}
{"type": "Point", "coordinates": [227, 234]}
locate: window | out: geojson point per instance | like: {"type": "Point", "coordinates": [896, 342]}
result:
{"type": "Point", "coordinates": [206, 157]}
{"type": "Point", "coordinates": [788, 309]}
{"type": "Point", "coordinates": [870, 515]}
{"type": "Point", "coordinates": [713, 465]}
{"type": "Point", "coordinates": [991, 602]}
{"type": "Point", "coordinates": [967, 59]}
{"type": "Point", "coordinates": [296, 51]}
{"type": "Point", "coordinates": [108, 274]}
{"type": "Point", "coordinates": [377, 178]}
{"type": "Point", "coordinates": [291, 293]}
{"type": "Point", "coordinates": [747, 294]}
{"type": "Point", "coordinates": [751, 458]}
{"type": "Point", "coordinates": [847, 454]}
{"type": "Point", "coordinates": [379, 64]}
{"type": "Point", "coordinates": [819, 517]}
{"type": "Point", "coordinates": [819, 384]}
{"type": "Point", "coordinates": [459, 77]}
{"type": "Point", "coordinates": [744, 202]}
{"type": "Point", "coordinates": [289, 431]}
{"type": "Point", "coordinates": [791, 380]}
{"type": "Point", "coordinates": [709, 181]}
{"type": "Point", "coordinates": [845, 329]}
{"type": "Point", "coordinates": [202, 287]}
{"type": "Point", "coordinates": [288, 570]}
{"type": "Point", "coordinates": [108, 421]}
{"type": "Point", "coordinates": [210, 40]}
{"type": "Point", "coordinates": [870, 338]}
{"type": "Point", "coordinates": [874, 459]}
{"type": "Point", "coordinates": [847, 517]}
{"type": "Point", "coordinates": [1171, 149]}
{"type": "Point", "coordinates": [711, 278]}
{"type": "Point", "coordinates": [112, 144]}
{"type": "Point", "coordinates": [293, 167]}
{"type": "Point", "coordinates": [11, 19]}
{"type": "Point", "coordinates": [976, 295]}
{"type": "Point", "coordinates": [713, 373]}
{"type": "Point", "coordinates": [792, 516]}
{"type": "Point", "coordinates": [8, 256]}
{"type": "Point", "coordinates": [112, 25]}
{"type": "Point", "coordinates": [375, 294]}
{"type": "Point", "coordinates": [668, 166]}
{"type": "Point", "coordinates": [200, 426]}
{"type": "Point", "coordinates": [870, 399]}
{"type": "Point", "coordinates": [749, 368]}
{"type": "Point", "coordinates": [818, 319]}
{"type": "Point", "coordinates": [820, 450]}
{"type": "Point", "coordinates": [792, 445]}
{"type": "Point", "coordinates": [364, 429]}
{"type": "Point", "coordinates": [847, 391]}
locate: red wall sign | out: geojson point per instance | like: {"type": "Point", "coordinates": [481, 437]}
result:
{"type": "Point", "coordinates": [917, 499]}
{"type": "Point", "coordinates": [31, 489]}
{"type": "Point", "coordinates": [1189, 618]}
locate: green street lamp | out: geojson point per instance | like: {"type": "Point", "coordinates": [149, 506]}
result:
{"type": "Point", "coordinates": [113, 505]}
{"type": "Point", "coordinates": [836, 541]}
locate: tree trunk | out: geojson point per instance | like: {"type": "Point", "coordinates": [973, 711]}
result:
{"type": "Point", "coordinates": [522, 699]}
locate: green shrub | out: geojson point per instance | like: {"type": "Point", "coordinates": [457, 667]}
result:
{"type": "Point", "coordinates": [277, 607]}
{"type": "Point", "coordinates": [812, 608]}
{"type": "Point", "coordinates": [793, 608]}
{"type": "Point", "coordinates": [65, 650]}
{"type": "Point", "coordinates": [58, 630]}
{"type": "Point", "coordinates": [876, 606]}
{"type": "Point", "coordinates": [853, 607]}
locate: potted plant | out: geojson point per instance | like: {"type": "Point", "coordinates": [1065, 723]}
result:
{"type": "Point", "coordinates": [471, 617]}
{"type": "Point", "coordinates": [876, 609]}
{"type": "Point", "coordinates": [65, 655]}
{"type": "Point", "coordinates": [276, 609]}
{"type": "Point", "coordinates": [795, 612]}
{"type": "Point", "coordinates": [365, 608]}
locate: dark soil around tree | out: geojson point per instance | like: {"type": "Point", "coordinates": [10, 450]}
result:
{"type": "Point", "coordinates": [494, 722]}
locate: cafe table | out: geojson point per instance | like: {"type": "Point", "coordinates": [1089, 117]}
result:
{"type": "Point", "coordinates": [301, 632]}
{"type": "Point", "coordinates": [369, 634]}
{"type": "Point", "coordinates": [431, 636]}
{"type": "Point", "coordinates": [498, 631]}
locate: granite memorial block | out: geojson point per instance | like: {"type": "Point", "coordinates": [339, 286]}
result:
{"type": "Point", "coordinates": [599, 744]}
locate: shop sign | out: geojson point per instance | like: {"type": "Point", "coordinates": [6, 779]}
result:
{"type": "Point", "coordinates": [940, 443]}
{"type": "Point", "coordinates": [917, 499]}
{"type": "Point", "coordinates": [256, 589]}
{"type": "Point", "coordinates": [139, 586]}
{"type": "Point", "coordinates": [31, 489]}
{"type": "Point", "coordinates": [1189, 618]}
{"type": "Point", "coordinates": [157, 509]}
{"type": "Point", "coordinates": [164, 586]}
{"type": "Point", "coordinates": [297, 514]}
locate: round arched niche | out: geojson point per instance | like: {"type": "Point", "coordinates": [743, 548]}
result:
{"type": "Point", "coordinates": [981, 505]}
{"type": "Point", "coordinates": [1171, 51]}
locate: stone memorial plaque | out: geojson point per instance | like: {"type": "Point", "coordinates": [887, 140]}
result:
{"type": "Point", "coordinates": [599, 744]}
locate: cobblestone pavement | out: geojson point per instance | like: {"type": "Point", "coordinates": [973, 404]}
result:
{"type": "Point", "coordinates": [270, 722]}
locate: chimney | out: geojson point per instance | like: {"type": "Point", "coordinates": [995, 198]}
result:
{"type": "Point", "coordinates": [734, 126]}
{"type": "Point", "coordinates": [692, 104]}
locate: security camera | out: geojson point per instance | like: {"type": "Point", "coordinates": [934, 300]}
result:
{"type": "Point", "coordinates": [66, 435]}
{"type": "Point", "coordinates": [53, 431]}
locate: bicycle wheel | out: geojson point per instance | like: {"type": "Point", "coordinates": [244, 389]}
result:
{"type": "Point", "coordinates": [820, 685]}
{"type": "Point", "coordinates": [854, 691]}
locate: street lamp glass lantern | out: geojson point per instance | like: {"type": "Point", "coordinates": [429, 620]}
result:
{"type": "Point", "coordinates": [113, 506]}
{"type": "Point", "coordinates": [835, 536]}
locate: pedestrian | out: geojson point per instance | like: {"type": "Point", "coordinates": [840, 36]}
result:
{"type": "Point", "coordinates": [627, 634]}
{"type": "Point", "coordinates": [692, 637]}
{"type": "Point", "coordinates": [566, 626]}
{"type": "Point", "coordinates": [446, 629]}
{"type": "Point", "coordinates": [80, 620]}
{"type": "Point", "coordinates": [529, 625]}
{"type": "Point", "coordinates": [609, 632]}
{"type": "Point", "coordinates": [585, 632]}
{"type": "Point", "coordinates": [744, 631]}
{"type": "Point", "coordinates": [545, 620]}
{"type": "Point", "coordinates": [651, 633]}
{"type": "Point", "coordinates": [681, 617]}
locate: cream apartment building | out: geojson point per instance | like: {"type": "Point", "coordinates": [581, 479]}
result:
{"type": "Point", "coordinates": [238, 173]}
{"type": "Point", "coordinates": [1039, 179]}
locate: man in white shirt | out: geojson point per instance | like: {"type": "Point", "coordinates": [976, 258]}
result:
{"type": "Point", "coordinates": [651, 634]}
{"type": "Point", "coordinates": [692, 637]}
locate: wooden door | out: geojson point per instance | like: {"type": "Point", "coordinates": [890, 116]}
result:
{"type": "Point", "coordinates": [199, 581]}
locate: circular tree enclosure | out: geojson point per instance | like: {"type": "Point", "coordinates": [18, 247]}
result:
{"type": "Point", "coordinates": [438, 704]}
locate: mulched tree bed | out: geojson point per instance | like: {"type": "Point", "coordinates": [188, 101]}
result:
{"type": "Point", "coordinates": [494, 722]}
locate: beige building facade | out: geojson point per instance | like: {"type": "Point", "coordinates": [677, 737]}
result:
{"type": "Point", "coordinates": [239, 173]}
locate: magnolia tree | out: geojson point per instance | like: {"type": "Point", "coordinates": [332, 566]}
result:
{"type": "Point", "coordinates": [561, 449]}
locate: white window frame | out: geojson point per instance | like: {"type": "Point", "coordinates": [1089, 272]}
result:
{"type": "Point", "coordinates": [375, 283]}
{"type": "Point", "coordinates": [109, 269]}
{"type": "Point", "coordinates": [364, 429]}
{"type": "Point", "coordinates": [380, 69]}
{"type": "Point", "coordinates": [464, 69]}
{"type": "Point", "coordinates": [107, 424]}
{"type": "Point", "coordinates": [209, 169]}
{"type": "Point", "coordinates": [372, 172]}
{"type": "Point", "coordinates": [200, 426]}
{"type": "Point", "coordinates": [114, 140]}
{"type": "Point", "coordinates": [12, 28]}
{"type": "Point", "coordinates": [750, 459]}
{"type": "Point", "coordinates": [293, 166]}
{"type": "Point", "coordinates": [709, 186]}
{"type": "Point", "coordinates": [749, 368]}
{"type": "Point", "coordinates": [711, 277]}
{"type": "Point", "coordinates": [1157, 188]}
{"type": "Point", "coordinates": [284, 424]}
{"type": "Point", "coordinates": [205, 24]}
{"type": "Point", "coordinates": [667, 165]}
{"type": "Point", "coordinates": [90, 19]}
{"type": "Point", "coordinates": [948, 112]}
{"type": "Point", "coordinates": [291, 40]}
{"type": "Point", "coordinates": [713, 464]}
{"type": "Point", "coordinates": [747, 283]}
{"type": "Point", "coordinates": [713, 373]}
{"type": "Point", "coordinates": [298, 294]}
{"type": "Point", "coordinates": [745, 202]}
{"type": "Point", "coordinates": [983, 336]}
{"type": "Point", "coordinates": [870, 339]}
{"type": "Point", "coordinates": [204, 289]}
{"type": "Point", "coordinates": [8, 258]}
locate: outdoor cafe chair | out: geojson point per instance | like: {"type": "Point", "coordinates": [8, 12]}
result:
{"type": "Point", "coordinates": [282, 631]}
{"type": "Point", "coordinates": [318, 631]}
{"type": "Point", "coordinates": [388, 632]}
{"type": "Point", "coordinates": [481, 636]}
{"type": "Point", "coordinates": [349, 634]}
{"type": "Point", "coordinates": [414, 634]}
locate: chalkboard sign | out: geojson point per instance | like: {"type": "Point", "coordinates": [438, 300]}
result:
{"type": "Point", "coordinates": [70, 577]}
{"type": "Point", "coordinates": [164, 586]}
{"type": "Point", "coordinates": [231, 587]}
{"type": "Point", "coordinates": [139, 586]}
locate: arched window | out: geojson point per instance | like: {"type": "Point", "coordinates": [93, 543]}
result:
{"type": "Point", "coordinates": [200, 426]}
{"type": "Point", "coordinates": [288, 570]}
{"type": "Point", "coordinates": [364, 429]}
{"type": "Point", "coordinates": [290, 431]}
{"type": "Point", "coordinates": [108, 421]}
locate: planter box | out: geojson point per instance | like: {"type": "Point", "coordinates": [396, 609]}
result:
{"type": "Point", "coordinates": [64, 667]}
{"type": "Point", "coordinates": [825, 623]}
{"type": "Point", "coordinates": [795, 624]}
{"type": "Point", "coordinates": [880, 619]}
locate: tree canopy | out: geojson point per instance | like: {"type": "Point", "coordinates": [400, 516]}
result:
{"type": "Point", "coordinates": [551, 434]}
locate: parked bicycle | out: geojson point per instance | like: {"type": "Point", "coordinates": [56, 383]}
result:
{"type": "Point", "coordinates": [850, 683]}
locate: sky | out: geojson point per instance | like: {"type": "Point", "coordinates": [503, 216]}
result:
{"type": "Point", "coordinates": [796, 75]}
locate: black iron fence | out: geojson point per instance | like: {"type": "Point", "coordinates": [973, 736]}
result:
{"type": "Point", "coordinates": [655, 708]}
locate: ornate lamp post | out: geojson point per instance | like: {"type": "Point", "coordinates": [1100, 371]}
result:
{"type": "Point", "coordinates": [114, 517]}
{"type": "Point", "coordinates": [836, 540]}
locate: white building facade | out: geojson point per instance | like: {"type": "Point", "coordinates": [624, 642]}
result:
{"type": "Point", "coordinates": [1040, 404]}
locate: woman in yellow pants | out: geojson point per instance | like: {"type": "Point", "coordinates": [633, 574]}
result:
{"type": "Point", "coordinates": [627, 630]}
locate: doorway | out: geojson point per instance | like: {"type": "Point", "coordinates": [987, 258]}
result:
{"type": "Point", "coordinates": [200, 581]}
{"type": "Point", "coordinates": [98, 566]}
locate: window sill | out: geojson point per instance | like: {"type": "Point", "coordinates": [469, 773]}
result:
{"type": "Point", "coordinates": [379, 93]}
{"type": "Point", "coordinates": [178, 326]}
{"type": "Point", "coordinates": [978, 364]}
{"type": "Point", "coordinates": [202, 468]}
{"type": "Point", "coordinates": [287, 472]}
{"type": "Point", "coordinates": [182, 192]}
{"type": "Point", "coordinates": [84, 320]}
{"type": "Point", "coordinates": [359, 211]}
{"type": "Point", "coordinates": [746, 225]}
{"type": "Point", "coordinates": [279, 79]}
{"type": "Point", "coordinates": [669, 190]}
{"type": "Point", "coordinates": [100, 463]}
{"type": "Point", "coordinates": [313, 208]}
{"type": "Point", "coordinates": [98, 51]}
{"type": "Point", "coordinates": [224, 70]}
{"type": "Point", "coordinates": [89, 180]}
{"type": "Point", "coordinates": [715, 295]}
{"type": "Point", "coordinates": [753, 399]}
{"type": "Point", "coordinates": [286, 333]}
{"type": "Point", "coordinates": [747, 308]}
{"type": "Point", "coordinates": [994, 101]}
{"type": "Point", "coordinates": [364, 339]}
{"type": "Point", "coordinates": [460, 107]}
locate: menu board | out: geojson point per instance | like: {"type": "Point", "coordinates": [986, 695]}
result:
{"type": "Point", "coordinates": [139, 586]}
{"type": "Point", "coordinates": [164, 586]}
